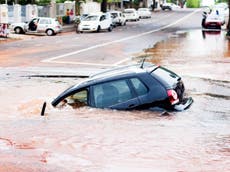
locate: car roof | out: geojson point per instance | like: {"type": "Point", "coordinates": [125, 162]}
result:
{"type": "Point", "coordinates": [130, 9]}
{"type": "Point", "coordinates": [44, 18]}
{"type": "Point", "coordinates": [115, 74]}
{"type": "Point", "coordinates": [115, 11]}
{"type": "Point", "coordinates": [120, 72]}
{"type": "Point", "coordinates": [96, 14]}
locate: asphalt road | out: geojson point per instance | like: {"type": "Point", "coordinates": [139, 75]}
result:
{"type": "Point", "coordinates": [95, 51]}
{"type": "Point", "coordinates": [98, 140]}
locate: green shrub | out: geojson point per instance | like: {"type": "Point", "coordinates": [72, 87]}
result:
{"type": "Point", "coordinates": [193, 3]}
{"type": "Point", "coordinates": [64, 19]}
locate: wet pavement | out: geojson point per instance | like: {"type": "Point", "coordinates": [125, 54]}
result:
{"type": "Point", "coordinates": [91, 140]}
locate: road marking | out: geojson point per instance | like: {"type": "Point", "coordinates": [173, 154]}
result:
{"type": "Point", "coordinates": [51, 60]}
{"type": "Point", "coordinates": [83, 63]}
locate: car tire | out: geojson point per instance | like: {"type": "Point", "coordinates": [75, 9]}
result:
{"type": "Point", "coordinates": [18, 30]}
{"type": "Point", "coordinates": [110, 28]}
{"type": "Point", "coordinates": [98, 28]}
{"type": "Point", "coordinates": [49, 32]}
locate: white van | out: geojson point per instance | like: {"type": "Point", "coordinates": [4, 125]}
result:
{"type": "Point", "coordinates": [131, 14]}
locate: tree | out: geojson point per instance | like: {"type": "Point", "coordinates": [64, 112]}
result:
{"type": "Point", "coordinates": [193, 3]}
{"type": "Point", "coordinates": [104, 6]}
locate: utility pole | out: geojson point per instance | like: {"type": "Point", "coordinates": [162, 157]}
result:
{"type": "Point", "coordinates": [228, 24]}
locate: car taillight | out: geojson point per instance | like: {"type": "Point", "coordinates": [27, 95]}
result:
{"type": "Point", "coordinates": [173, 97]}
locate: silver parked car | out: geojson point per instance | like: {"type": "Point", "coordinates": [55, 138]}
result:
{"type": "Point", "coordinates": [47, 25]}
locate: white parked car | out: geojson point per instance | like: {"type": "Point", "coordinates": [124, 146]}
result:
{"type": "Point", "coordinates": [96, 22]}
{"type": "Point", "coordinates": [47, 25]}
{"type": "Point", "coordinates": [169, 6]}
{"type": "Point", "coordinates": [144, 12]}
{"type": "Point", "coordinates": [222, 11]}
{"type": "Point", "coordinates": [118, 18]}
{"type": "Point", "coordinates": [131, 14]}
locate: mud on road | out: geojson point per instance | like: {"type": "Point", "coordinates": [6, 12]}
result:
{"type": "Point", "coordinates": [89, 139]}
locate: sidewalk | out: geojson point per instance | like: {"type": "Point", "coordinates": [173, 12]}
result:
{"type": "Point", "coordinates": [12, 35]}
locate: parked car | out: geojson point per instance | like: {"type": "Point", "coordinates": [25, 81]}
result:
{"type": "Point", "coordinates": [223, 14]}
{"type": "Point", "coordinates": [212, 21]}
{"type": "Point", "coordinates": [118, 18]}
{"type": "Point", "coordinates": [96, 22]}
{"type": "Point", "coordinates": [131, 14]}
{"type": "Point", "coordinates": [47, 25]}
{"type": "Point", "coordinates": [128, 87]}
{"type": "Point", "coordinates": [144, 13]}
{"type": "Point", "coordinates": [169, 6]}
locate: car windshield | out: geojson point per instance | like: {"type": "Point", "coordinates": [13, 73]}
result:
{"type": "Point", "coordinates": [114, 15]}
{"type": "Point", "coordinates": [166, 75]}
{"type": "Point", "coordinates": [90, 18]}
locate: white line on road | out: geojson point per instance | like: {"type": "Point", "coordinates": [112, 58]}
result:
{"type": "Point", "coordinates": [51, 60]}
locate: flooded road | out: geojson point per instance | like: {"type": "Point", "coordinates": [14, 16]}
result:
{"type": "Point", "coordinates": [94, 140]}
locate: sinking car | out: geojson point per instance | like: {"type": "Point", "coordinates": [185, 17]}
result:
{"type": "Point", "coordinates": [126, 88]}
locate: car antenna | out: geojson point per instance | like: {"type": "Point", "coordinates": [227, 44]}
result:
{"type": "Point", "coordinates": [144, 58]}
{"type": "Point", "coordinates": [142, 63]}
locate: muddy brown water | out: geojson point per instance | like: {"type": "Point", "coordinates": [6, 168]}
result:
{"type": "Point", "coordinates": [88, 139]}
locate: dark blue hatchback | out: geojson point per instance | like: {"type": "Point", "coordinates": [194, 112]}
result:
{"type": "Point", "coordinates": [128, 87]}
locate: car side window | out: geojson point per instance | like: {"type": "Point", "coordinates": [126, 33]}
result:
{"type": "Point", "coordinates": [111, 93]}
{"type": "Point", "coordinates": [140, 88]}
{"type": "Point", "coordinates": [45, 21]}
{"type": "Point", "coordinates": [78, 99]}
{"type": "Point", "coordinates": [102, 18]}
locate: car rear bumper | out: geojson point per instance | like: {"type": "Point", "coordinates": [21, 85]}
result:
{"type": "Point", "coordinates": [185, 104]}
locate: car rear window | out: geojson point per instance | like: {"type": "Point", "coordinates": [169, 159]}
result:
{"type": "Point", "coordinates": [166, 76]}
{"type": "Point", "coordinates": [128, 11]}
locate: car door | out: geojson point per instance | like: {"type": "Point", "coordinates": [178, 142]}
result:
{"type": "Point", "coordinates": [115, 95]}
{"type": "Point", "coordinates": [103, 22]}
{"type": "Point", "coordinates": [43, 24]}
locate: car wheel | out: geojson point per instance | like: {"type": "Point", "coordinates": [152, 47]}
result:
{"type": "Point", "coordinates": [110, 28]}
{"type": "Point", "coordinates": [124, 23]}
{"type": "Point", "coordinates": [18, 30]}
{"type": "Point", "coordinates": [50, 32]}
{"type": "Point", "coordinates": [98, 28]}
